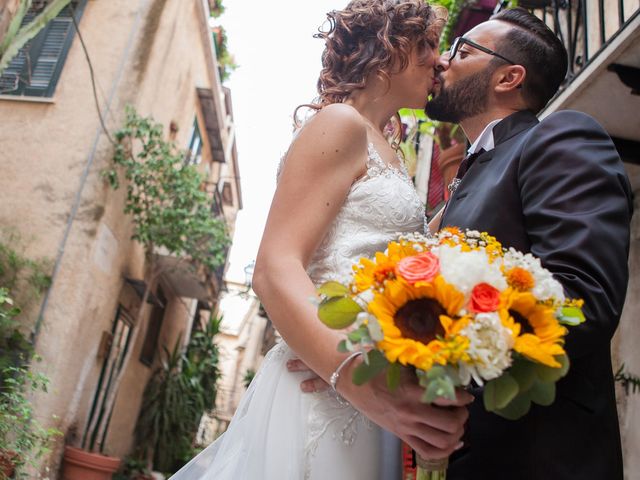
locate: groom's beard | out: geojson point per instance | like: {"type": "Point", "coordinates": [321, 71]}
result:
{"type": "Point", "coordinates": [466, 98]}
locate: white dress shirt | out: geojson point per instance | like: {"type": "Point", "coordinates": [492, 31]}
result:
{"type": "Point", "coordinates": [485, 140]}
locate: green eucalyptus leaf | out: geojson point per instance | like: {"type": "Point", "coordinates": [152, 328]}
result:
{"type": "Point", "coordinates": [499, 392]}
{"type": "Point", "coordinates": [338, 312]}
{"type": "Point", "coordinates": [360, 335]}
{"type": "Point", "coordinates": [375, 330]}
{"type": "Point", "coordinates": [342, 346]}
{"type": "Point", "coordinates": [571, 316]}
{"type": "Point", "coordinates": [517, 408]}
{"type": "Point", "coordinates": [436, 372]}
{"type": "Point", "coordinates": [333, 289]}
{"type": "Point", "coordinates": [440, 387]}
{"type": "Point", "coordinates": [365, 372]}
{"type": "Point", "coordinates": [524, 372]}
{"type": "Point", "coordinates": [550, 374]}
{"type": "Point", "coordinates": [393, 376]}
{"type": "Point", "coordinates": [543, 393]}
{"type": "Point", "coordinates": [349, 345]}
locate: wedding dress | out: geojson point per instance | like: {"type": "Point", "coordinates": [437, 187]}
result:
{"type": "Point", "coordinates": [280, 433]}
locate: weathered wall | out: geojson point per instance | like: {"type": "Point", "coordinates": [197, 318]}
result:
{"type": "Point", "coordinates": [152, 54]}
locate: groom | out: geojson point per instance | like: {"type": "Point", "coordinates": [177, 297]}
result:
{"type": "Point", "coordinates": [555, 188]}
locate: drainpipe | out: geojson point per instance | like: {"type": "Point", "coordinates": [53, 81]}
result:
{"type": "Point", "coordinates": [90, 159]}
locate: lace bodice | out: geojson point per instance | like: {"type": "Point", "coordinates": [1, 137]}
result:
{"type": "Point", "coordinates": [378, 206]}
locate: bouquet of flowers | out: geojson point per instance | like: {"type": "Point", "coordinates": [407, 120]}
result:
{"type": "Point", "coordinates": [456, 307]}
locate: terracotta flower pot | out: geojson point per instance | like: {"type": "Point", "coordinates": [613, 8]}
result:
{"type": "Point", "coordinates": [81, 465]}
{"type": "Point", "coordinates": [7, 463]}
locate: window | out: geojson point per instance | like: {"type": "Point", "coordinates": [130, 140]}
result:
{"type": "Point", "coordinates": [216, 204]}
{"type": "Point", "coordinates": [120, 337]}
{"type": "Point", "coordinates": [35, 70]}
{"type": "Point", "coordinates": [194, 153]}
{"type": "Point", "coordinates": [227, 194]}
{"type": "Point", "coordinates": [150, 344]}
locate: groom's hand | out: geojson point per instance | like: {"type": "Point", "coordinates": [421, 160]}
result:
{"type": "Point", "coordinates": [434, 430]}
{"type": "Point", "coordinates": [312, 384]}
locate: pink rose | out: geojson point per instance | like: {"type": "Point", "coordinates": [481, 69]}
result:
{"type": "Point", "coordinates": [419, 268]}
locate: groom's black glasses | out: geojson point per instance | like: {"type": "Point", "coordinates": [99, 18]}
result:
{"type": "Point", "coordinates": [459, 41]}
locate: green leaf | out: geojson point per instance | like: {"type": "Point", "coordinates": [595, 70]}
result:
{"type": "Point", "coordinates": [375, 330]}
{"type": "Point", "coordinates": [499, 392]}
{"type": "Point", "coordinates": [550, 374]}
{"type": "Point", "coordinates": [393, 376]}
{"type": "Point", "coordinates": [360, 335]}
{"type": "Point", "coordinates": [363, 372]}
{"type": "Point", "coordinates": [440, 387]}
{"type": "Point", "coordinates": [338, 312]}
{"type": "Point", "coordinates": [436, 372]}
{"type": "Point", "coordinates": [333, 289]}
{"type": "Point", "coordinates": [571, 316]}
{"type": "Point", "coordinates": [517, 408]}
{"type": "Point", "coordinates": [342, 346]}
{"type": "Point", "coordinates": [411, 113]}
{"type": "Point", "coordinates": [524, 372]}
{"type": "Point", "coordinates": [543, 393]}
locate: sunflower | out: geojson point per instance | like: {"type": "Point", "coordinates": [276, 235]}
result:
{"type": "Point", "coordinates": [542, 336]}
{"type": "Point", "coordinates": [368, 273]}
{"type": "Point", "coordinates": [418, 322]}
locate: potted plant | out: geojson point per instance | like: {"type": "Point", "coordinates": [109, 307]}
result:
{"type": "Point", "coordinates": [180, 391]}
{"type": "Point", "coordinates": [133, 469]}
{"type": "Point", "coordinates": [79, 464]}
{"type": "Point", "coordinates": [22, 438]}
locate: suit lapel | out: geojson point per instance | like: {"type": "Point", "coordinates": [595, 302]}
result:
{"type": "Point", "coordinates": [508, 128]}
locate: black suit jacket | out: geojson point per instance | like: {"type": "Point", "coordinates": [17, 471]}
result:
{"type": "Point", "coordinates": [557, 189]}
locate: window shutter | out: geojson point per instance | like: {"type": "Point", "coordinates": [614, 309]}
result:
{"type": "Point", "coordinates": [36, 69]}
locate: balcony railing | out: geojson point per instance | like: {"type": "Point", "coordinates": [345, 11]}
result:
{"type": "Point", "coordinates": [585, 27]}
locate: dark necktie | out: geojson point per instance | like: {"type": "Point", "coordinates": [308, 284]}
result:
{"type": "Point", "coordinates": [464, 167]}
{"type": "Point", "coordinates": [466, 163]}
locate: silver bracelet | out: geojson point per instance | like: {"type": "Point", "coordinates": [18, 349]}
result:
{"type": "Point", "coordinates": [333, 380]}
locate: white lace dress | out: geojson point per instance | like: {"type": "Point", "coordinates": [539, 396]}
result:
{"type": "Point", "coordinates": [281, 433]}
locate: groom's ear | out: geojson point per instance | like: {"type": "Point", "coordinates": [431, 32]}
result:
{"type": "Point", "coordinates": [510, 78]}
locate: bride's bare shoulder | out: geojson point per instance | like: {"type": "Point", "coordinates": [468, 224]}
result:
{"type": "Point", "coordinates": [335, 132]}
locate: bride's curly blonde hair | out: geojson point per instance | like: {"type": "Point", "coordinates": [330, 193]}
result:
{"type": "Point", "coordinates": [372, 36]}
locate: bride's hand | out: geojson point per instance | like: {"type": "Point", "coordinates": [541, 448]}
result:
{"type": "Point", "coordinates": [433, 430]}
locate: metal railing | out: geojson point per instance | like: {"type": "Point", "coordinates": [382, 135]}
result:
{"type": "Point", "coordinates": [585, 27]}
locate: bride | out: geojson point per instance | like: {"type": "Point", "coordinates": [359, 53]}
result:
{"type": "Point", "coordinates": [342, 193]}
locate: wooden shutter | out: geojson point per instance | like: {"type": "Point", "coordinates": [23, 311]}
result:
{"type": "Point", "coordinates": [36, 69]}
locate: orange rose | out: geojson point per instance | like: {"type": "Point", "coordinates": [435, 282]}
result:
{"type": "Point", "coordinates": [422, 267]}
{"type": "Point", "coordinates": [484, 298]}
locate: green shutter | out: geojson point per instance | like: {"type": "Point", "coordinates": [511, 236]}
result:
{"type": "Point", "coordinates": [36, 69]}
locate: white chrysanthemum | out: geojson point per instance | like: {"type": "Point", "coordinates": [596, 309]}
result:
{"type": "Point", "coordinates": [465, 270]}
{"type": "Point", "coordinates": [490, 345]}
{"type": "Point", "coordinates": [545, 286]}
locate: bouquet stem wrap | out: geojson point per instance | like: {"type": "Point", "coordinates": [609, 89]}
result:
{"type": "Point", "coordinates": [435, 469]}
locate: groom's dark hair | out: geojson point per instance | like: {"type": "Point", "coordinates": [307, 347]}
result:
{"type": "Point", "coordinates": [534, 46]}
